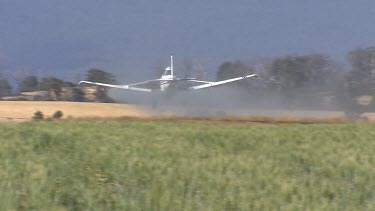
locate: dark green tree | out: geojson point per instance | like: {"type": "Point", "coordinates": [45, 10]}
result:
{"type": "Point", "coordinates": [363, 63]}
{"type": "Point", "coordinates": [359, 81]}
{"type": "Point", "coordinates": [362, 74]}
{"type": "Point", "coordinates": [69, 84]}
{"type": "Point", "coordinates": [78, 95]}
{"type": "Point", "coordinates": [5, 88]}
{"type": "Point", "coordinates": [232, 70]}
{"type": "Point", "coordinates": [52, 84]}
{"type": "Point", "coordinates": [29, 84]}
{"type": "Point", "coordinates": [302, 71]}
{"type": "Point", "coordinates": [321, 70]}
{"type": "Point", "coordinates": [101, 76]}
{"type": "Point", "coordinates": [302, 76]}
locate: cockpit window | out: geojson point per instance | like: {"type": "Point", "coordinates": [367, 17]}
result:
{"type": "Point", "coordinates": [167, 71]}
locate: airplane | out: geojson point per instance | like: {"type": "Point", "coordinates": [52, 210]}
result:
{"type": "Point", "coordinates": [169, 80]}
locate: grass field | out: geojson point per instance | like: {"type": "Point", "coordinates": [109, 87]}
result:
{"type": "Point", "coordinates": [132, 165]}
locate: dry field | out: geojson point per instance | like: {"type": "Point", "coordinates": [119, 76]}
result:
{"type": "Point", "coordinates": [24, 110]}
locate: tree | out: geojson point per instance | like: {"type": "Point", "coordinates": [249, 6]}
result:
{"type": "Point", "coordinates": [52, 84]}
{"type": "Point", "coordinates": [199, 64]}
{"type": "Point", "coordinates": [359, 81]}
{"type": "Point", "coordinates": [302, 76]}
{"type": "Point", "coordinates": [362, 74]}
{"type": "Point", "coordinates": [78, 95]}
{"type": "Point", "coordinates": [232, 70]}
{"type": "Point", "coordinates": [363, 63]}
{"type": "Point", "coordinates": [321, 70]}
{"type": "Point", "coordinates": [308, 71]}
{"type": "Point", "coordinates": [29, 84]}
{"type": "Point", "coordinates": [187, 68]}
{"type": "Point", "coordinates": [102, 77]}
{"type": "Point", "coordinates": [5, 88]}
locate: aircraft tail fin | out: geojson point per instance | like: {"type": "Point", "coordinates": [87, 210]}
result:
{"type": "Point", "coordinates": [172, 65]}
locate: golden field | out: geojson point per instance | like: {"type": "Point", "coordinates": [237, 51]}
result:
{"type": "Point", "coordinates": [24, 110]}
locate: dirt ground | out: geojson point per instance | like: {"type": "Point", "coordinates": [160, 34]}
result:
{"type": "Point", "coordinates": [11, 111]}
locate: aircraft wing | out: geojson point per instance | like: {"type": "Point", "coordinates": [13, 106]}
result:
{"type": "Point", "coordinates": [208, 84]}
{"type": "Point", "coordinates": [129, 87]}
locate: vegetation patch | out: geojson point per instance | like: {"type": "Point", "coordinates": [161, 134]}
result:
{"type": "Point", "coordinates": [135, 165]}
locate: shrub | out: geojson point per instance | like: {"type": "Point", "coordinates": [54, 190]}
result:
{"type": "Point", "coordinates": [38, 115]}
{"type": "Point", "coordinates": [57, 115]}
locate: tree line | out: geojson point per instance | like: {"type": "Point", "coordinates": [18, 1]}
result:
{"type": "Point", "coordinates": [291, 77]}
{"type": "Point", "coordinates": [56, 86]}
{"type": "Point", "coordinates": [310, 77]}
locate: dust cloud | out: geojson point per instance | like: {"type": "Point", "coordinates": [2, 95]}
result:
{"type": "Point", "coordinates": [225, 101]}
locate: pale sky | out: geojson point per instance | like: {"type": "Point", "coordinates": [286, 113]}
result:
{"type": "Point", "coordinates": [129, 38]}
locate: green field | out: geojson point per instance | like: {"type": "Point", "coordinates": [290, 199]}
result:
{"type": "Point", "coordinates": [129, 165]}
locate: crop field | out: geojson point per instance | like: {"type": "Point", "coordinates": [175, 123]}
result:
{"type": "Point", "coordinates": [11, 111]}
{"type": "Point", "coordinates": [162, 165]}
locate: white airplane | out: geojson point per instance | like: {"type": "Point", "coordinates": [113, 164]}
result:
{"type": "Point", "coordinates": [168, 80]}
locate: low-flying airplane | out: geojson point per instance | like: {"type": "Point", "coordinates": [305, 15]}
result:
{"type": "Point", "coordinates": [169, 80]}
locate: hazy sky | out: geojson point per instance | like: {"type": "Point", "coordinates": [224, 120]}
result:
{"type": "Point", "coordinates": [131, 37]}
